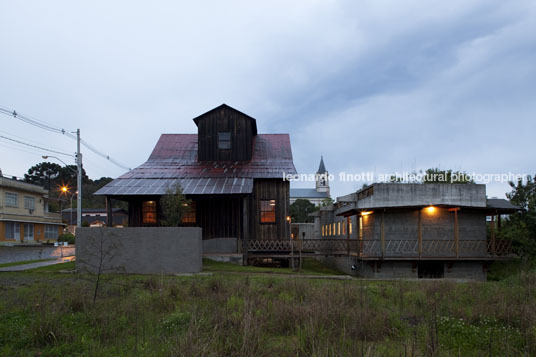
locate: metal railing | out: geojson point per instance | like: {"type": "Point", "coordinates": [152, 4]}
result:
{"type": "Point", "coordinates": [388, 248]}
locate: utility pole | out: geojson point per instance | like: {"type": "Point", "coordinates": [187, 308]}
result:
{"type": "Point", "coordinates": [79, 181]}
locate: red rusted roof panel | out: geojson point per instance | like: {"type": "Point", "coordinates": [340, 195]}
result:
{"type": "Point", "coordinates": [174, 159]}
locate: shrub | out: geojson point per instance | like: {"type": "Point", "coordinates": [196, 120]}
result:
{"type": "Point", "coordinates": [66, 237]}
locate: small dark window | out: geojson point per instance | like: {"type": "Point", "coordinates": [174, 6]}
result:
{"type": "Point", "coordinates": [224, 140]}
{"type": "Point", "coordinates": [267, 211]}
{"type": "Point", "coordinates": [148, 209]}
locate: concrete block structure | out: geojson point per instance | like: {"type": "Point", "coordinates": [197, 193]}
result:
{"type": "Point", "coordinates": [139, 250]}
{"type": "Point", "coordinates": [396, 230]}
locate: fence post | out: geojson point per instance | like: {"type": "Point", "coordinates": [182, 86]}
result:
{"type": "Point", "coordinates": [492, 228]}
{"type": "Point", "coordinates": [419, 233]}
{"type": "Point", "coordinates": [456, 234]}
{"type": "Point", "coordinates": [382, 234]}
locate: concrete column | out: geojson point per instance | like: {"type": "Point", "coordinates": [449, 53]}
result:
{"type": "Point", "coordinates": [109, 214]}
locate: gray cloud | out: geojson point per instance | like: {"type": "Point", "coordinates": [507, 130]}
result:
{"type": "Point", "coordinates": [377, 85]}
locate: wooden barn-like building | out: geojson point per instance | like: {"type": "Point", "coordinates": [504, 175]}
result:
{"type": "Point", "coordinates": [232, 175]}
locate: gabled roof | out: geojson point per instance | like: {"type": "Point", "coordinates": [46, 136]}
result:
{"type": "Point", "coordinates": [231, 109]}
{"type": "Point", "coordinates": [174, 160]}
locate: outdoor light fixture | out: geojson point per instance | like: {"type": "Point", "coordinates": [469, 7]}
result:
{"type": "Point", "coordinates": [64, 189]}
{"type": "Point", "coordinates": [272, 202]}
{"type": "Point", "coordinates": [430, 209]}
{"type": "Point", "coordinates": [288, 219]}
{"type": "Point", "coordinates": [366, 213]}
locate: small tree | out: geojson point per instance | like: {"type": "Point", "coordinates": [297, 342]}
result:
{"type": "Point", "coordinates": [300, 209]}
{"type": "Point", "coordinates": [436, 175]}
{"type": "Point", "coordinates": [173, 205]}
{"type": "Point", "coordinates": [520, 227]}
{"type": "Point", "coordinates": [327, 201]}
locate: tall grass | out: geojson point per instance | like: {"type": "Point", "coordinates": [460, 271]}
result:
{"type": "Point", "coordinates": [258, 316]}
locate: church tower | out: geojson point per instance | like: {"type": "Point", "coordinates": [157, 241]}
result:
{"type": "Point", "coordinates": [322, 177]}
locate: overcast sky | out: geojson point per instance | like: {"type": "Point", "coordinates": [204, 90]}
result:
{"type": "Point", "coordinates": [380, 86]}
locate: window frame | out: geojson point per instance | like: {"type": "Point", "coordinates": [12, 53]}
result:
{"type": "Point", "coordinates": [51, 231]}
{"type": "Point", "coordinates": [27, 230]}
{"type": "Point", "coordinates": [15, 230]}
{"type": "Point", "coordinates": [145, 212]}
{"type": "Point", "coordinates": [224, 143]}
{"type": "Point", "coordinates": [189, 216]}
{"type": "Point", "coordinates": [27, 201]}
{"type": "Point", "coordinates": [274, 210]}
{"type": "Point", "coordinates": [13, 195]}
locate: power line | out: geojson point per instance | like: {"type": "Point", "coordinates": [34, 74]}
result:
{"type": "Point", "coordinates": [30, 141]}
{"type": "Point", "coordinates": [43, 125]}
{"type": "Point", "coordinates": [35, 146]}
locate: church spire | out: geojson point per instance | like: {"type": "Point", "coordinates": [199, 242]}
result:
{"type": "Point", "coordinates": [322, 177]}
{"type": "Point", "coordinates": [322, 167]}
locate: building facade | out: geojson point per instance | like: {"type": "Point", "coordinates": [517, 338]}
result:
{"type": "Point", "coordinates": [317, 195]}
{"type": "Point", "coordinates": [232, 175]}
{"type": "Point", "coordinates": [24, 216]}
{"type": "Point", "coordinates": [396, 230]}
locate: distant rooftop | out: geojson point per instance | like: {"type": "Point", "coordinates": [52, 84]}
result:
{"type": "Point", "coordinates": [307, 193]}
{"type": "Point", "coordinates": [21, 185]}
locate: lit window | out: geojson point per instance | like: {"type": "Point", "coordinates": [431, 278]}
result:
{"type": "Point", "coordinates": [360, 227]}
{"type": "Point", "coordinates": [11, 199]}
{"type": "Point", "coordinates": [188, 217]}
{"type": "Point", "coordinates": [29, 202]}
{"type": "Point", "coordinates": [350, 226]}
{"type": "Point", "coordinates": [344, 228]}
{"type": "Point", "coordinates": [329, 229]}
{"type": "Point", "coordinates": [267, 211]}
{"type": "Point", "coordinates": [323, 231]}
{"type": "Point", "coordinates": [51, 232]}
{"type": "Point", "coordinates": [338, 228]}
{"type": "Point", "coordinates": [224, 140]}
{"type": "Point", "coordinates": [148, 210]}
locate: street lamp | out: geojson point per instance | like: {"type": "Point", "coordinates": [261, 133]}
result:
{"type": "Point", "coordinates": [64, 189]}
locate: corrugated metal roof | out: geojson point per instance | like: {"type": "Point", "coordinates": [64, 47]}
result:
{"type": "Point", "coordinates": [174, 160]}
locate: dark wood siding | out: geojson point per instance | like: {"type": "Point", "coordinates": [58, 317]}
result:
{"type": "Point", "coordinates": [219, 216]}
{"type": "Point", "coordinates": [225, 120]}
{"type": "Point", "coordinates": [273, 189]}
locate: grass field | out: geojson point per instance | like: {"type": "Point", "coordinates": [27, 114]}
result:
{"type": "Point", "coordinates": [253, 312]}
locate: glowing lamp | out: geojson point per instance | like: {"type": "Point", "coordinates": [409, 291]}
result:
{"type": "Point", "coordinates": [366, 213]}
{"type": "Point", "coordinates": [430, 209]}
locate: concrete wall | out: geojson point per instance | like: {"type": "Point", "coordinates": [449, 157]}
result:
{"type": "Point", "coordinates": [220, 246]}
{"type": "Point", "coordinates": [308, 228]}
{"type": "Point", "coordinates": [457, 270]}
{"type": "Point", "coordinates": [18, 253]}
{"type": "Point", "coordinates": [399, 195]}
{"type": "Point", "coordinates": [139, 250]}
{"type": "Point", "coordinates": [465, 270]}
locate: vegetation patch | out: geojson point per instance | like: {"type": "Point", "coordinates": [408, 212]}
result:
{"type": "Point", "coordinates": [263, 315]}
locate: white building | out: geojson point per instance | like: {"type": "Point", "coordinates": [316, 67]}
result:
{"type": "Point", "coordinates": [315, 195]}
